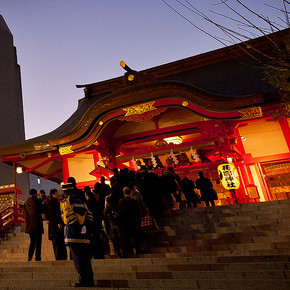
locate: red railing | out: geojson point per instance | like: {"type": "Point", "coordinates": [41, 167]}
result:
{"type": "Point", "coordinates": [11, 213]}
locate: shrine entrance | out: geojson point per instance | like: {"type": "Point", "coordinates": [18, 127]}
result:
{"type": "Point", "coordinates": [168, 136]}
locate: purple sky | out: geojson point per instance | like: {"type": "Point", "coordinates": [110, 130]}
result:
{"type": "Point", "coordinates": [61, 43]}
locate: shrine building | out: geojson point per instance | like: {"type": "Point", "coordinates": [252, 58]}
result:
{"type": "Point", "coordinates": [212, 112]}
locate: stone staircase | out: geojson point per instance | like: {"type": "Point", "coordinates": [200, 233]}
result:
{"type": "Point", "coordinates": [229, 247]}
{"type": "Point", "coordinates": [14, 245]}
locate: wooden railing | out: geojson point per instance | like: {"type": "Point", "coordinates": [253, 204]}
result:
{"type": "Point", "coordinates": [11, 213]}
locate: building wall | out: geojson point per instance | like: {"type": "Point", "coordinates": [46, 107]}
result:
{"type": "Point", "coordinates": [263, 138]}
{"type": "Point", "coordinates": [11, 117]}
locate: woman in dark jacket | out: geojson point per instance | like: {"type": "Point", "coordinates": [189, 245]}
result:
{"type": "Point", "coordinates": [55, 227]}
{"type": "Point", "coordinates": [33, 224]}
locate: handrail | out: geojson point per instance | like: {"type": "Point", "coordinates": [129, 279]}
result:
{"type": "Point", "coordinates": [11, 213]}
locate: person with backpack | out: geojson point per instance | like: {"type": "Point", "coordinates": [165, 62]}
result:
{"type": "Point", "coordinates": [78, 220]}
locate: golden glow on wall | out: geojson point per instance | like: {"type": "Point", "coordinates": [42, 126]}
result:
{"type": "Point", "coordinates": [263, 138]}
{"type": "Point", "coordinates": [80, 165]}
{"type": "Point", "coordinates": [255, 175]}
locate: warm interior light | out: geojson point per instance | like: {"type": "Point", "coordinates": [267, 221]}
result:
{"type": "Point", "coordinates": [101, 123]}
{"type": "Point", "coordinates": [131, 78]}
{"type": "Point", "coordinates": [174, 140]}
{"type": "Point", "coordinates": [19, 169]}
{"type": "Point", "coordinates": [230, 159]}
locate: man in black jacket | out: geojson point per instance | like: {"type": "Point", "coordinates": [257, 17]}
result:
{"type": "Point", "coordinates": [56, 226]}
{"type": "Point", "coordinates": [33, 224]}
{"type": "Point", "coordinates": [130, 223]}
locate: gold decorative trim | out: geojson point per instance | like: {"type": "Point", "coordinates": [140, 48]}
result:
{"type": "Point", "coordinates": [249, 113]}
{"type": "Point", "coordinates": [65, 150]}
{"type": "Point", "coordinates": [139, 109]}
{"type": "Point", "coordinates": [41, 146]}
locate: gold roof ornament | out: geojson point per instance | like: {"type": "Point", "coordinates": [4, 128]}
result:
{"type": "Point", "coordinates": [250, 113]}
{"type": "Point", "coordinates": [65, 150]}
{"type": "Point", "coordinates": [139, 109]}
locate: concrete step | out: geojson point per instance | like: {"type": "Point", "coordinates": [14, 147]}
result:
{"type": "Point", "coordinates": [151, 274]}
{"type": "Point", "coordinates": [229, 247]}
{"type": "Point", "coordinates": [153, 284]}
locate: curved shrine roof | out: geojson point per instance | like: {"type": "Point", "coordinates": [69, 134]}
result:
{"type": "Point", "coordinates": [185, 75]}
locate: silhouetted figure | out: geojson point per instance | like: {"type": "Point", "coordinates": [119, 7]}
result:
{"type": "Point", "coordinates": [205, 186]}
{"type": "Point", "coordinates": [56, 226]}
{"type": "Point", "coordinates": [169, 188]}
{"type": "Point", "coordinates": [130, 224]}
{"type": "Point", "coordinates": [44, 202]}
{"type": "Point", "coordinates": [112, 221]}
{"type": "Point", "coordinates": [177, 193]}
{"type": "Point", "coordinates": [96, 208]}
{"type": "Point", "coordinates": [135, 194]}
{"type": "Point", "coordinates": [33, 224]}
{"type": "Point", "coordinates": [105, 188]}
{"type": "Point", "coordinates": [189, 193]}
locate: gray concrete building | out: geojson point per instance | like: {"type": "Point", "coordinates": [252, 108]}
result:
{"type": "Point", "coordinates": [11, 116]}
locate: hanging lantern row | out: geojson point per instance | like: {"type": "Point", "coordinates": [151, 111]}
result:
{"type": "Point", "coordinates": [194, 155]}
{"type": "Point", "coordinates": [135, 165]}
{"type": "Point", "coordinates": [153, 160]}
{"type": "Point", "coordinates": [173, 158]}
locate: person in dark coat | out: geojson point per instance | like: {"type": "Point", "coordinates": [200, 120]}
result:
{"type": "Point", "coordinates": [112, 221]}
{"type": "Point", "coordinates": [130, 224]}
{"type": "Point", "coordinates": [33, 224]}
{"type": "Point", "coordinates": [169, 188]}
{"type": "Point", "coordinates": [188, 190]}
{"type": "Point", "coordinates": [205, 186]}
{"type": "Point", "coordinates": [178, 182]}
{"type": "Point", "coordinates": [105, 189]}
{"type": "Point", "coordinates": [96, 208]}
{"type": "Point", "coordinates": [56, 226]}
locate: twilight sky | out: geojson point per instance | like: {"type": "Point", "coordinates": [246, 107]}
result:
{"type": "Point", "coordinates": [61, 43]}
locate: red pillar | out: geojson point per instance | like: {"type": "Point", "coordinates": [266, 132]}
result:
{"type": "Point", "coordinates": [65, 169]}
{"type": "Point", "coordinates": [285, 129]}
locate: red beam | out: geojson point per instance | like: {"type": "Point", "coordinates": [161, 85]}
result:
{"type": "Point", "coordinates": [52, 174]}
{"type": "Point", "coordinates": [39, 165]}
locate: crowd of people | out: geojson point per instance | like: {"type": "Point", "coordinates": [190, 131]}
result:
{"type": "Point", "coordinates": [85, 219]}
